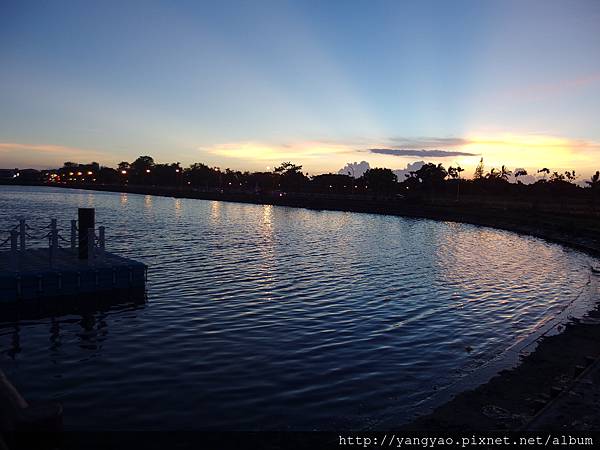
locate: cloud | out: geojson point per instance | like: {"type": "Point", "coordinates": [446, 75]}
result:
{"type": "Point", "coordinates": [17, 154]}
{"type": "Point", "coordinates": [420, 153]}
{"type": "Point", "coordinates": [355, 169]}
{"type": "Point", "coordinates": [542, 91]}
{"type": "Point", "coordinates": [429, 142]}
{"type": "Point", "coordinates": [274, 152]}
{"type": "Point", "coordinates": [410, 167]}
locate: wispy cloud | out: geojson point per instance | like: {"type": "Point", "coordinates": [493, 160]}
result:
{"type": "Point", "coordinates": [420, 153]}
{"type": "Point", "coordinates": [17, 154]}
{"type": "Point", "coordinates": [46, 148]}
{"type": "Point", "coordinates": [541, 91]}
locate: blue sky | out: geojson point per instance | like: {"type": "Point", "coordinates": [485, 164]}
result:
{"type": "Point", "coordinates": [248, 84]}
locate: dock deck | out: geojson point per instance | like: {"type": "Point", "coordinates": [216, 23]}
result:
{"type": "Point", "coordinates": [33, 275]}
{"type": "Point", "coordinates": [56, 278]}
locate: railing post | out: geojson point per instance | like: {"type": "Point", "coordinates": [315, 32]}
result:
{"type": "Point", "coordinates": [90, 244]}
{"type": "Point", "coordinates": [14, 250]}
{"type": "Point", "coordinates": [86, 221]}
{"type": "Point", "coordinates": [22, 233]}
{"type": "Point", "coordinates": [73, 234]}
{"type": "Point", "coordinates": [53, 240]}
{"type": "Point", "coordinates": [101, 239]}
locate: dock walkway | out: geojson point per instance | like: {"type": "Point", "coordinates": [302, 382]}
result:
{"type": "Point", "coordinates": [34, 274]}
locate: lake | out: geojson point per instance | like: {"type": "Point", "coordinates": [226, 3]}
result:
{"type": "Point", "coordinates": [264, 317]}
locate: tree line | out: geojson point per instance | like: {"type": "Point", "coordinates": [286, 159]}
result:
{"type": "Point", "coordinates": [288, 177]}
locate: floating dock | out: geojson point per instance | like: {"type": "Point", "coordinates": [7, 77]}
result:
{"type": "Point", "coordinates": [81, 273]}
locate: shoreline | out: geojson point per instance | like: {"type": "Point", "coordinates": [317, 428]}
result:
{"type": "Point", "coordinates": [509, 399]}
{"type": "Point", "coordinates": [580, 232]}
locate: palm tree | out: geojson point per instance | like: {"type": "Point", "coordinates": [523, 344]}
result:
{"type": "Point", "coordinates": [454, 173]}
{"type": "Point", "coordinates": [505, 173]}
{"type": "Point", "coordinates": [595, 180]}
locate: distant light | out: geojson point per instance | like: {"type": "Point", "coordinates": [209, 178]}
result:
{"type": "Point", "coordinates": [71, 173]}
{"type": "Point", "coordinates": [79, 173]}
{"type": "Point", "coordinates": [124, 172]}
{"type": "Point", "coordinates": [177, 170]}
{"type": "Point", "coordinates": [355, 187]}
{"type": "Point", "coordinates": [89, 172]}
{"type": "Point", "coordinates": [189, 182]}
{"type": "Point", "coordinates": [330, 186]}
{"type": "Point", "coordinates": [230, 183]}
{"type": "Point", "coordinates": [147, 170]}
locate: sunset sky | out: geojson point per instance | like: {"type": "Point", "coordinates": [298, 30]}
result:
{"type": "Point", "coordinates": [249, 84]}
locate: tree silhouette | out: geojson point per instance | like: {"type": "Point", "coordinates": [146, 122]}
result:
{"type": "Point", "coordinates": [380, 180]}
{"type": "Point", "coordinates": [594, 181]}
{"type": "Point", "coordinates": [505, 173]}
{"type": "Point", "coordinates": [570, 176]}
{"type": "Point", "coordinates": [454, 173]}
{"type": "Point", "coordinates": [545, 171]}
{"type": "Point", "coordinates": [291, 176]}
{"type": "Point", "coordinates": [479, 170]}
{"type": "Point", "coordinates": [520, 173]}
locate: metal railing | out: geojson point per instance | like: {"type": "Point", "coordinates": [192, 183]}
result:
{"type": "Point", "coordinates": [21, 238]}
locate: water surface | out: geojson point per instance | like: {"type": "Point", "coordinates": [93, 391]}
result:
{"type": "Point", "coordinates": [263, 317]}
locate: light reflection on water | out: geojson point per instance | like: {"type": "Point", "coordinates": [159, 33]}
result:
{"type": "Point", "coordinates": [265, 317]}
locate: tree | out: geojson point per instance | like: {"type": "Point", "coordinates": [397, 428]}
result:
{"type": "Point", "coordinates": [287, 168]}
{"type": "Point", "coordinates": [594, 182]}
{"type": "Point", "coordinates": [556, 177]}
{"type": "Point", "coordinates": [291, 176]}
{"type": "Point", "coordinates": [479, 170]}
{"type": "Point", "coordinates": [142, 163]}
{"type": "Point", "coordinates": [494, 174]}
{"type": "Point", "coordinates": [380, 180]}
{"type": "Point", "coordinates": [545, 171]}
{"type": "Point", "coordinates": [454, 173]}
{"type": "Point", "coordinates": [520, 173]}
{"type": "Point", "coordinates": [330, 182]}
{"type": "Point", "coordinates": [123, 165]}
{"type": "Point", "coordinates": [505, 173]}
{"type": "Point", "coordinates": [570, 176]}
{"type": "Point", "coordinates": [431, 174]}
{"type": "Point", "coordinates": [200, 174]}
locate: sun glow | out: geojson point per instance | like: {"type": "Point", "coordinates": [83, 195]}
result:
{"type": "Point", "coordinates": [533, 151]}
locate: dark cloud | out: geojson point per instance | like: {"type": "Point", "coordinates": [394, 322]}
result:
{"type": "Point", "coordinates": [419, 153]}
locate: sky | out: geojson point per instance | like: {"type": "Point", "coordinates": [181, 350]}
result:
{"type": "Point", "coordinates": [249, 84]}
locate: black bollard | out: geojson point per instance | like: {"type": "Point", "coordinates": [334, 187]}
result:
{"type": "Point", "coordinates": [86, 220]}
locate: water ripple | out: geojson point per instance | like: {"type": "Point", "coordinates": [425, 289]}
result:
{"type": "Point", "coordinates": [262, 317]}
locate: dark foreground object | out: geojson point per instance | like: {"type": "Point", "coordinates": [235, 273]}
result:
{"type": "Point", "coordinates": [20, 421]}
{"type": "Point", "coordinates": [35, 283]}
